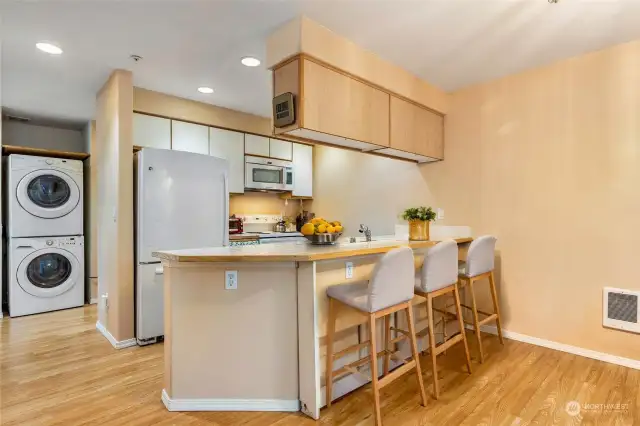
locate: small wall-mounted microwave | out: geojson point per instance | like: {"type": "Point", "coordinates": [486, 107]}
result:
{"type": "Point", "coordinates": [268, 174]}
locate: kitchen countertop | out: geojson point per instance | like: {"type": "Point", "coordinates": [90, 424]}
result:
{"type": "Point", "coordinates": [290, 252]}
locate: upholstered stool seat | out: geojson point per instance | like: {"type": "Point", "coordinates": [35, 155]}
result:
{"type": "Point", "coordinates": [389, 290]}
{"type": "Point", "coordinates": [480, 265]}
{"type": "Point", "coordinates": [439, 277]}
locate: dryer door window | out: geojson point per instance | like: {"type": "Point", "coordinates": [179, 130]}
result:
{"type": "Point", "coordinates": [48, 194]}
{"type": "Point", "coordinates": [48, 191]}
{"type": "Point", "coordinates": [49, 272]}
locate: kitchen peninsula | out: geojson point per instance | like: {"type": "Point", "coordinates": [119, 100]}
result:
{"type": "Point", "coordinates": [245, 326]}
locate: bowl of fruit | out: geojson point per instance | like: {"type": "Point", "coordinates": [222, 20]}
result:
{"type": "Point", "coordinates": [321, 232]}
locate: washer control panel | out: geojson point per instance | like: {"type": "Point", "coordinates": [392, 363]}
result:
{"type": "Point", "coordinates": [21, 161]}
{"type": "Point", "coordinates": [64, 242]}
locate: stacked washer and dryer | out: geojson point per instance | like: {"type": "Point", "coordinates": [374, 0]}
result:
{"type": "Point", "coordinates": [45, 245]}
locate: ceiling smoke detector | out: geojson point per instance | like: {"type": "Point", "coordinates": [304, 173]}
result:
{"type": "Point", "coordinates": [553, 1]}
{"type": "Point", "coordinates": [136, 58]}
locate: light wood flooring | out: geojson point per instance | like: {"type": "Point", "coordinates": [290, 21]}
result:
{"type": "Point", "coordinates": [56, 369]}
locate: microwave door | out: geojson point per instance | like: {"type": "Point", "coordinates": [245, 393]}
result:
{"type": "Point", "coordinates": [263, 176]}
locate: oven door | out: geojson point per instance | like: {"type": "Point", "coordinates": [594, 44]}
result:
{"type": "Point", "coordinates": [264, 176]}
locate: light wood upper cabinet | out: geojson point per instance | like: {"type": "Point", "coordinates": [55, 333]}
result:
{"type": "Point", "coordinates": [256, 145]}
{"type": "Point", "coordinates": [230, 146]}
{"type": "Point", "coordinates": [331, 106]}
{"type": "Point", "coordinates": [338, 105]}
{"type": "Point", "coordinates": [151, 132]}
{"type": "Point", "coordinates": [416, 129]}
{"type": "Point", "coordinates": [303, 164]}
{"type": "Point", "coordinates": [189, 137]}
{"type": "Point", "coordinates": [280, 149]}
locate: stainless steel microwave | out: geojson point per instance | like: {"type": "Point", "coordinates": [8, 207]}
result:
{"type": "Point", "coordinates": [268, 174]}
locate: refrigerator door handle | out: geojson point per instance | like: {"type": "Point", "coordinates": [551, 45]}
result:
{"type": "Point", "coordinates": [159, 270]}
{"type": "Point", "coordinates": [225, 218]}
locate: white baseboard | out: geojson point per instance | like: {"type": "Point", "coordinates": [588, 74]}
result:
{"type": "Point", "coordinates": [116, 344]}
{"type": "Point", "coordinates": [93, 301]}
{"type": "Point", "coordinates": [588, 353]}
{"type": "Point", "coordinates": [202, 404]}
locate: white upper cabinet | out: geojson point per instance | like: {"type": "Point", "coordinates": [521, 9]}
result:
{"type": "Point", "coordinates": [303, 177]}
{"type": "Point", "coordinates": [189, 137]}
{"type": "Point", "coordinates": [151, 132]}
{"type": "Point", "coordinates": [256, 145]}
{"type": "Point", "coordinates": [230, 146]}
{"type": "Point", "coordinates": [280, 149]}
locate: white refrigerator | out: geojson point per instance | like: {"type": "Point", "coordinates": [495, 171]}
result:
{"type": "Point", "coordinates": [182, 201]}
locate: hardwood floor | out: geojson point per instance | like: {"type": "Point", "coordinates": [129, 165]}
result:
{"type": "Point", "coordinates": [56, 369]}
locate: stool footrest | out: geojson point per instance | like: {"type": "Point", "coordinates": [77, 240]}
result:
{"type": "Point", "coordinates": [403, 332]}
{"type": "Point", "coordinates": [397, 340]}
{"type": "Point", "coordinates": [350, 349]}
{"type": "Point", "coordinates": [396, 373]}
{"type": "Point", "coordinates": [343, 371]}
{"type": "Point", "coordinates": [490, 318]}
{"type": "Point", "coordinates": [447, 344]}
{"type": "Point", "coordinates": [479, 311]}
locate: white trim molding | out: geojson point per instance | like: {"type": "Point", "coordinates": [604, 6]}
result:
{"type": "Point", "coordinates": [223, 404]}
{"type": "Point", "coordinates": [93, 301]}
{"type": "Point", "coordinates": [588, 353]}
{"type": "Point", "coordinates": [116, 344]}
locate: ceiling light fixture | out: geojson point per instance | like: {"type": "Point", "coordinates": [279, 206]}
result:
{"type": "Point", "coordinates": [250, 61]}
{"type": "Point", "coordinates": [49, 48]}
{"type": "Point", "coordinates": [206, 90]}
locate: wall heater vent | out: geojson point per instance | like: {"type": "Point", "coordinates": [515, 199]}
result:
{"type": "Point", "coordinates": [621, 309]}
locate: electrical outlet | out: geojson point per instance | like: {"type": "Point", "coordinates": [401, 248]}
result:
{"type": "Point", "coordinates": [440, 214]}
{"type": "Point", "coordinates": [348, 270]}
{"type": "Point", "coordinates": [231, 280]}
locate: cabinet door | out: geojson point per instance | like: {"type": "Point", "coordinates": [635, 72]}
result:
{"type": "Point", "coordinates": [303, 164]}
{"type": "Point", "coordinates": [151, 132]}
{"type": "Point", "coordinates": [256, 145]}
{"type": "Point", "coordinates": [189, 137]}
{"type": "Point", "coordinates": [416, 129]}
{"type": "Point", "coordinates": [230, 146]}
{"type": "Point", "coordinates": [280, 149]}
{"type": "Point", "coordinates": [339, 105]}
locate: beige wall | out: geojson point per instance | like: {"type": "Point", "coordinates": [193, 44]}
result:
{"type": "Point", "coordinates": [357, 188]}
{"type": "Point", "coordinates": [307, 36]}
{"type": "Point", "coordinates": [113, 156]}
{"type": "Point", "coordinates": [157, 103]}
{"type": "Point", "coordinates": [549, 162]}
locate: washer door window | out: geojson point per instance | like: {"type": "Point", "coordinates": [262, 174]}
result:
{"type": "Point", "coordinates": [48, 272]}
{"type": "Point", "coordinates": [48, 194]}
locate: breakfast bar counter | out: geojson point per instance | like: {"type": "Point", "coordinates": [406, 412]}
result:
{"type": "Point", "coordinates": [245, 326]}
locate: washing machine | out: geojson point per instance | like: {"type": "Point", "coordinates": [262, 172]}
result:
{"type": "Point", "coordinates": [45, 274]}
{"type": "Point", "coordinates": [44, 196]}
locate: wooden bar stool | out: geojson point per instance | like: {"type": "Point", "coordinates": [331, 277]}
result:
{"type": "Point", "coordinates": [438, 277]}
{"type": "Point", "coordinates": [479, 265]}
{"type": "Point", "coordinates": [389, 290]}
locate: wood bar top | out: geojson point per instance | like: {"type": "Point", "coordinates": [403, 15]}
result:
{"type": "Point", "coordinates": [290, 252]}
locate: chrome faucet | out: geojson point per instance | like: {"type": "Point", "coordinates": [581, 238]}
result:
{"type": "Point", "coordinates": [366, 231]}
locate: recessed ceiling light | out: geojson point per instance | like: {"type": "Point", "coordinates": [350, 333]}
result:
{"type": "Point", "coordinates": [206, 90]}
{"type": "Point", "coordinates": [49, 48]}
{"type": "Point", "coordinates": [250, 61]}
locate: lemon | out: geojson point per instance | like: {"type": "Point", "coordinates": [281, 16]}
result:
{"type": "Point", "coordinates": [338, 228]}
{"type": "Point", "coordinates": [331, 229]}
{"type": "Point", "coordinates": [308, 229]}
{"type": "Point", "coordinates": [322, 228]}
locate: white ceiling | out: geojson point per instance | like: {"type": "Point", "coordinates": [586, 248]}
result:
{"type": "Point", "coordinates": [186, 44]}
